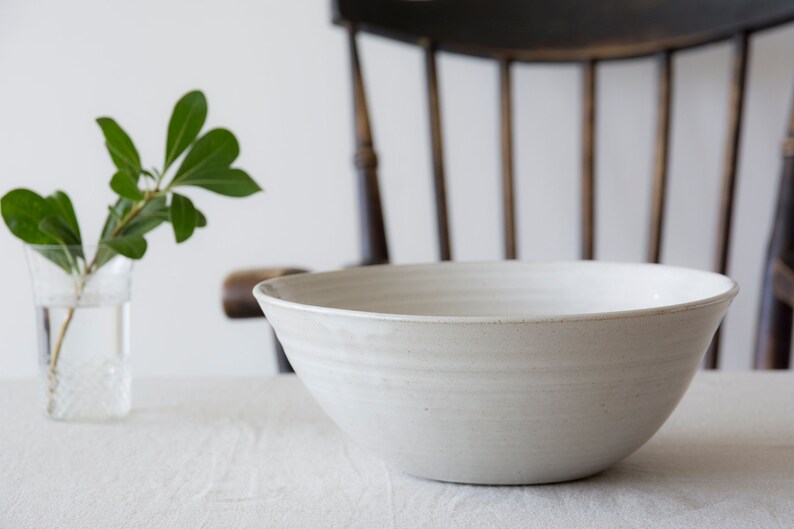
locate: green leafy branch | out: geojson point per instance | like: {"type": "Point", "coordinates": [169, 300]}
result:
{"type": "Point", "coordinates": [146, 199]}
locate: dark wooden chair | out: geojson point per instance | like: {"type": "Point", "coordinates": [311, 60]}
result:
{"type": "Point", "coordinates": [587, 33]}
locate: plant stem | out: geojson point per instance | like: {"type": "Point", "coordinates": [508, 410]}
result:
{"type": "Point", "coordinates": [89, 269]}
{"type": "Point", "coordinates": [56, 351]}
{"type": "Point", "coordinates": [59, 342]}
{"type": "Point", "coordinates": [133, 212]}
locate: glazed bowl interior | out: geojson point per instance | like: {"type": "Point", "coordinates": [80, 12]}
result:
{"type": "Point", "coordinates": [504, 290]}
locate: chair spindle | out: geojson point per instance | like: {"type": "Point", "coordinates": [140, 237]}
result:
{"type": "Point", "coordinates": [508, 201]}
{"type": "Point", "coordinates": [588, 160]}
{"type": "Point", "coordinates": [661, 156]}
{"type": "Point", "coordinates": [434, 110]}
{"type": "Point", "coordinates": [736, 105]}
{"type": "Point", "coordinates": [373, 233]}
{"type": "Point", "coordinates": [727, 193]}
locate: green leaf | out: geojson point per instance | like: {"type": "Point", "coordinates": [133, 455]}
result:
{"type": "Point", "coordinates": [126, 186]}
{"type": "Point", "coordinates": [143, 226]}
{"type": "Point", "coordinates": [201, 220]}
{"type": "Point", "coordinates": [183, 217]}
{"type": "Point", "coordinates": [217, 149]}
{"type": "Point", "coordinates": [132, 246]}
{"type": "Point", "coordinates": [117, 212]}
{"type": "Point", "coordinates": [61, 203]}
{"type": "Point", "coordinates": [113, 213]}
{"type": "Point", "coordinates": [22, 211]}
{"type": "Point", "coordinates": [63, 225]}
{"type": "Point", "coordinates": [122, 150]}
{"type": "Point", "coordinates": [104, 254]}
{"type": "Point", "coordinates": [228, 182]}
{"type": "Point", "coordinates": [154, 213]}
{"type": "Point", "coordinates": [58, 228]}
{"type": "Point", "coordinates": [60, 256]}
{"type": "Point", "coordinates": [188, 117]}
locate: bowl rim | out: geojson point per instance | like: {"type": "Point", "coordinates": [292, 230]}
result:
{"type": "Point", "coordinates": [264, 298]}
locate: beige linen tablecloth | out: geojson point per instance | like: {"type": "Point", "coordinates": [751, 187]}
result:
{"type": "Point", "coordinates": [250, 453]}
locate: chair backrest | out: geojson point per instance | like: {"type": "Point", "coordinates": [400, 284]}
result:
{"type": "Point", "coordinates": [556, 31]}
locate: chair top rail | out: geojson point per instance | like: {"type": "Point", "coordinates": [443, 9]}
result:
{"type": "Point", "coordinates": [562, 30]}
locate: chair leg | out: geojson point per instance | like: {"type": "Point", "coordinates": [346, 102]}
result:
{"type": "Point", "coordinates": [281, 359]}
{"type": "Point", "coordinates": [773, 346]}
{"type": "Point", "coordinates": [774, 330]}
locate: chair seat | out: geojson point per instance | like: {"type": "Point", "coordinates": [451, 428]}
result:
{"type": "Point", "coordinates": [238, 300]}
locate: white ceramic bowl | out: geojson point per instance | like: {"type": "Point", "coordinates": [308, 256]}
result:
{"type": "Point", "coordinates": [498, 373]}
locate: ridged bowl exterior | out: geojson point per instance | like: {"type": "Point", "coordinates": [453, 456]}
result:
{"type": "Point", "coordinates": [494, 401]}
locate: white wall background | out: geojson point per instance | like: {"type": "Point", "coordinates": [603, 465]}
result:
{"type": "Point", "coordinates": [276, 73]}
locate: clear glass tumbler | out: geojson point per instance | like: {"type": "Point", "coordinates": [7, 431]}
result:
{"type": "Point", "coordinates": [82, 298]}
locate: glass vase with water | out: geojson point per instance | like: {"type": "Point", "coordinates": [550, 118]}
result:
{"type": "Point", "coordinates": [83, 331]}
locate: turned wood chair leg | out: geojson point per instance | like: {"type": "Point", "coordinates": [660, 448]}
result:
{"type": "Point", "coordinates": [239, 301]}
{"type": "Point", "coordinates": [774, 336]}
{"type": "Point", "coordinates": [281, 359]}
{"type": "Point", "coordinates": [773, 345]}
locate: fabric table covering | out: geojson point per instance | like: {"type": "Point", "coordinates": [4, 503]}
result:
{"type": "Point", "coordinates": [258, 452]}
